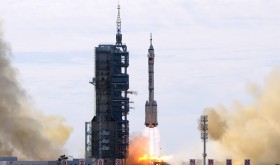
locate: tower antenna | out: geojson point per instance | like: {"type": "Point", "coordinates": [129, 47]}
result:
{"type": "Point", "coordinates": [119, 35]}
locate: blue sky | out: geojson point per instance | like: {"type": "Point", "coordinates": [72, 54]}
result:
{"type": "Point", "coordinates": [206, 54]}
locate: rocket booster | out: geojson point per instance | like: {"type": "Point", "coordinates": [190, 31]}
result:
{"type": "Point", "coordinates": [151, 104]}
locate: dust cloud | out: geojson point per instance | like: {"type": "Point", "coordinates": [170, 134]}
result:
{"type": "Point", "coordinates": [250, 131]}
{"type": "Point", "coordinates": [24, 131]}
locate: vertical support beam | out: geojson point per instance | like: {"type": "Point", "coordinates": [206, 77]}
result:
{"type": "Point", "coordinates": [86, 140]}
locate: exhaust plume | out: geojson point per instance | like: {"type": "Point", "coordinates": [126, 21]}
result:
{"type": "Point", "coordinates": [25, 132]}
{"type": "Point", "coordinates": [153, 136]}
{"type": "Point", "coordinates": [250, 131]}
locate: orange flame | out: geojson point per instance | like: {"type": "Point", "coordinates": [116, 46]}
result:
{"type": "Point", "coordinates": [151, 159]}
{"type": "Point", "coordinates": [138, 147]}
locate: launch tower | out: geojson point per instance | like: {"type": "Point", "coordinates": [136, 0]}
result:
{"type": "Point", "coordinates": [107, 136]}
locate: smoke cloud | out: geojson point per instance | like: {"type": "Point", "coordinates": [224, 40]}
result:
{"type": "Point", "coordinates": [250, 131]}
{"type": "Point", "coordinates": [24, 131]}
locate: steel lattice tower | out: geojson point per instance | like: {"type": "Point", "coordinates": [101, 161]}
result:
{"type": "Point", "coordinates": [204, 135]}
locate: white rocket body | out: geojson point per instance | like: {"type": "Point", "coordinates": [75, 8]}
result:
{"type": "Point", "coordinates": [151, 104]}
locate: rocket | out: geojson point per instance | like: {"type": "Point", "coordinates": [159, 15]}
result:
{"type": "Point", "coordinates": [151, 104]}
